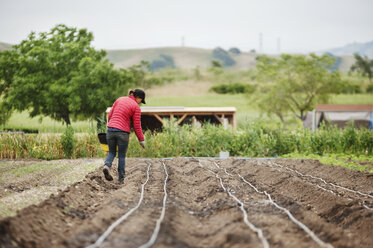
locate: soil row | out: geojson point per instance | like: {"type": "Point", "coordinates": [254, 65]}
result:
{"type": "Point", "coordinates": [208, 203]}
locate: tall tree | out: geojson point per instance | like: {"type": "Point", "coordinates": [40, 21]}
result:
{"type": "Point", "coordinates": [363, 65]}
{"type": "Point", "coordinates": [294, 83]}
{"type": "Point", "coordinates": [59, 74]}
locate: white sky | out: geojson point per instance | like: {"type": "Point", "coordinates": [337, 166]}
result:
{"type": "Point", "coordinates": [301, 25]}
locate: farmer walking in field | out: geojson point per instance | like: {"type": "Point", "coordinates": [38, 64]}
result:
{"type": "Point", "coordinates": [123, 111]}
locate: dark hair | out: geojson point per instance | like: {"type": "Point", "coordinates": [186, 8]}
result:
{"type": "Point", "coordinates": [138, 93]}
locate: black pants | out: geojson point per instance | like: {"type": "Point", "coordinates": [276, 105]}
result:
{"type": "Point", "coordinates": [120, 140]}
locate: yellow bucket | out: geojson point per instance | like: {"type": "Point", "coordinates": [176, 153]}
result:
{"type": "Point", "coordinates": [103, 142]}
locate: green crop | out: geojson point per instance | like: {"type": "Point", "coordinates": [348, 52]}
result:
{"type": "Point", "coordinates": [253, 140]}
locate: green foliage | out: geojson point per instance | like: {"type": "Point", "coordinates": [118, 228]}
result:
{"type": "Point", "coordinates": [255, 140]}
{"type": "Point", "coordinates": [337, 62]}
{"type": "Point", "coordinates": [363, 65]}
{"type": "Point", "coordinates": [216, 64]}
{"type": "Point", "coordinates": [370, 88]}
{"type": "Point", "coordinates": [62, 75]}
{"type": "Point", "coordinates": [235, 88]}
{"type": "Point", "coordinates": [294, 83]}
{"type": "Point", "coordinates": [165, 61]}
{"type": "Point", "coordinates": [68, 142]}
{"type": "Point", "coordinates": [348, 87]}
{"type": "Point", "coordinates": [143, 77]}
{"type": "Point", "coordinates": [5, 114]}
{"type": "Point", "coordinates": [223, 56]}
{"type": "Point", "coordinates": [337, 159]}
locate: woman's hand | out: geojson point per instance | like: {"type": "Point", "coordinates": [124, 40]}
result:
{"type": "Point", "coordinates": [142, 143]}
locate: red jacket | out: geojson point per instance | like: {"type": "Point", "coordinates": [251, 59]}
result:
{"type": "Point", "coordinates": [123, 111]}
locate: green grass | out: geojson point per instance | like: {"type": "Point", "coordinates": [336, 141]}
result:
{"type": "Point", "coordinates": [46, 124]}
{"type": "Point", "coordinates": [349, 161]}
{"type": "Point", "coordinates": [352, 99]}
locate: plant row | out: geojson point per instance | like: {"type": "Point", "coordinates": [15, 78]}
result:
{"type": "Point", "coordinates": [186, 141]}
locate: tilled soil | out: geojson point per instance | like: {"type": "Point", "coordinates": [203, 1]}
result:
{"type": "Point", "coordinates": [204, 203]}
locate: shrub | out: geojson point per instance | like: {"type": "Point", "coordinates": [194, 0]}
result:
{"type": "Point", "coordinates": [351, 88]}
{"type": "Point", "coordinates": [68, 141]}
{"type": "Point", "coordinates": [370, 88]}
{"type": "Point", "coordinates": [235, 88]}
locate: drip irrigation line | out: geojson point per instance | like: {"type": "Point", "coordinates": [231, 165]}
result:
{"type": "Point", "coordinates": [300, 224]}
{"type": "Point", "coordinates": [101, 239]}
{"type": "Point", "coordinates": [325, 182]}
{"type": "Point", "coordinates": [242, 207]}
{"type": "Point", "coordinates": [367, 207]}
{"type": "Point", "coordinates": [159, 221]}
{"type": "Point", "coordinates": [292, 218]}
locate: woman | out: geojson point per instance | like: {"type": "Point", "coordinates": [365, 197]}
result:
{"type": "Point", "coordinates": [123, 111]}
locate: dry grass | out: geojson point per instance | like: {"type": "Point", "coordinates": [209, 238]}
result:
{"type": "Point", "coordinates": [183, 88]}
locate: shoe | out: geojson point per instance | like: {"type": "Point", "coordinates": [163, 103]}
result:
{"type": "Point", "coordinates": [121, 180]}
{"type": "Point", "coordinates": [106, 171]}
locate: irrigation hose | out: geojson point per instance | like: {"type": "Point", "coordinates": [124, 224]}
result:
{"type": "Point", "coordinates": [159, 221]}
{"type": "Point", "coordinates": [102, 238]}
{"type": "Point", "coordinates": [242, 207]}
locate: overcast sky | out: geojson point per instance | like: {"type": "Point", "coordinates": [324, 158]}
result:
{"type": "Point", "coordinates": [288, 25]}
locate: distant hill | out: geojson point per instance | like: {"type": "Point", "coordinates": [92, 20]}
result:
{"type": "Point", "coordinates": [183, 57]}
{"type": "Point", "coordinates": [188, 58]}
{"type": "Point", "coordinates": [365, 49]}
{"type": "Point", "coordinates": [5, 46]}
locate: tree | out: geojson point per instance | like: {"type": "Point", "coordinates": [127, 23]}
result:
{"type": "Point", "coordinates": [294, 83]}
{"type": "Point", "coordinates": [223, 56]}
{"type": "Point", "coordinates": [363, 65]}
{"type": "Point", "coordinates": [7, 70]}
{"type": "Point", "coordinates": [59, 74]}
{"type": "Point", "coordinates": [234, 50]}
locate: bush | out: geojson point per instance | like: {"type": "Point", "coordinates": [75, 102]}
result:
{"type": "Point", "coordinates": [370, 88]}
{"type": "Point", "coordinates": [235, 88]}
{"type": "Point", "coordinates": [350, 88]}
{"type": "Point", "coordinates": [68, 142]}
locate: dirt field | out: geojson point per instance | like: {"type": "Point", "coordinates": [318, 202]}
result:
{"type": "Point", "coordinates": [204, 203]}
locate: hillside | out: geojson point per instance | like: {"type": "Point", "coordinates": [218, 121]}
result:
{"type": "Point", "coordinates": [183, 57]}
{"type": "Point", "coordinates": [5, 46]}
{"type": "Point", "coordinates": [350, 49]}
{"type": "Point", "coordinates": [189, 58]}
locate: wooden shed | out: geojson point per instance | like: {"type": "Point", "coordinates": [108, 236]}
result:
{"type": "Point", "coordinates": [341, 114]}
{"type": "Point", "coordinates": [153, 118]}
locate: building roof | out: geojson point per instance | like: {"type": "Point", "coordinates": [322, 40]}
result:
{"type": "Point", "coordinates": [344, 107]}
{"type": "Point", "coordinates": [151, 110]}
